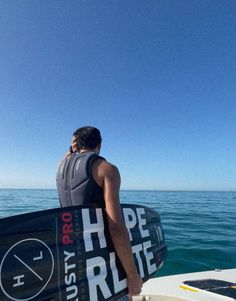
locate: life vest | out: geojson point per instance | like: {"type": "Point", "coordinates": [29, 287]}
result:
{"type": "Point", "coordinates": [75, 183]}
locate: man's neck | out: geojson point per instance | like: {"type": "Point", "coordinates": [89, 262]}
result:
{"type": "Point", "coordinates": [85, 150]}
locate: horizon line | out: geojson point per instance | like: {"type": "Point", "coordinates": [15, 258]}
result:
{"type": "Point", "coordinates": [132, 189]}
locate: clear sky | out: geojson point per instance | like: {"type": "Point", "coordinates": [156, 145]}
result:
{"type": "Point", "coordinates": [157, 77]}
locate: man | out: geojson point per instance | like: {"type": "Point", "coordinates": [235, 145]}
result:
{"type": "Point", "coordinates": [98, 181]}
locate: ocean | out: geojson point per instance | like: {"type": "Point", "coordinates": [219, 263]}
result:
{"type": "Point", "coordinates": [200, 227]}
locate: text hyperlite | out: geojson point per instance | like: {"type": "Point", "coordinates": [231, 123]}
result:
{"type": "Point", "coordinates": [96, 257]}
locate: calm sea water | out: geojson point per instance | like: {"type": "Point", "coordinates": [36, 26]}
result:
{"type": "Point", "coordinates": [200, 227]}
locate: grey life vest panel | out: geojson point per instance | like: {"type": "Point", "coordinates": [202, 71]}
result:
{"type": "Point", "coordinates": [75, 184]}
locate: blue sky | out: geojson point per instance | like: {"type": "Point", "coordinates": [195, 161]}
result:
{"type": "Point", "coordinates": [157, 77]}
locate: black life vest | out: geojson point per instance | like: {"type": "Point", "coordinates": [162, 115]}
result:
{"type": "Point", "coordinates": [75, 183]}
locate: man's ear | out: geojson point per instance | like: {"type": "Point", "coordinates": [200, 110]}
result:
{"type": "Point", "coordinates": [98, 148]}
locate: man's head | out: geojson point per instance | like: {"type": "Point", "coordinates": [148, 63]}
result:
{"type": "Point", "coordinates": [88, 137]}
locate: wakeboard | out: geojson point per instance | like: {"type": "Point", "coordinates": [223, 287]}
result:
{"type": "Point", "coordinates": [67, 253]}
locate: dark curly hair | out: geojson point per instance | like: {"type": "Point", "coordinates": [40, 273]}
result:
{"type": "Point", "coordinates": [88, 137]}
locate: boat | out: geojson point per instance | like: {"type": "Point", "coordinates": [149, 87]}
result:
{"type": "Point", "coordinates": [215, 285]}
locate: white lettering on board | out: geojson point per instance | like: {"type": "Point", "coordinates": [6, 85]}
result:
{"type": "Point", "coordinates": [142, 222]}
{"type": "Point", "coordinates": [97, 280]}
{"type": "Point", "coordinates": [19, 282]}
{"type": "Point", "coordinates": [149, 256]}
{"type": "Point", "coordinates": [130, 220]}
{"type": "Point", "coordinates": [40, 257]}
{"type": "Point", "coordinates": [119, 285]}
{"type": "Point", "coordinates": [68, 256]}
{"type": "Point", "coordinates": [98, 269]}
{"type": "Point", "coordinates": [73, 290]}
{"type": "Point", "coordinates": [90, 228]}
{"type": "Point", "coordinates": [70, 276]}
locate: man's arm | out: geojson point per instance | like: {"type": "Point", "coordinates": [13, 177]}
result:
{"type": "Point", "coordinates": [117, 228]}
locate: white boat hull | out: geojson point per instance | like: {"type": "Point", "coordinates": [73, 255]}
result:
{"type": "Point", "coordinates": [174, 288]}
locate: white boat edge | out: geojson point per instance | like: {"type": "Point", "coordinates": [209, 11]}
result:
{"type": "Point", "coordinates": [171, 288]}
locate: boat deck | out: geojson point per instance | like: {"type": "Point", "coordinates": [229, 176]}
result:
{"type": "Point", "coordinates": [203, 286]}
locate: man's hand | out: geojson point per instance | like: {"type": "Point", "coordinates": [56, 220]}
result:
{"type": "Point", "coordinates": [135, 284]}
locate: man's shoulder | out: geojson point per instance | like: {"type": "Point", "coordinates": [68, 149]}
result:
{"type": "Point", "coordinates": [105, 167]}
{"type": "Point", "coordinates": [102, 170]}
